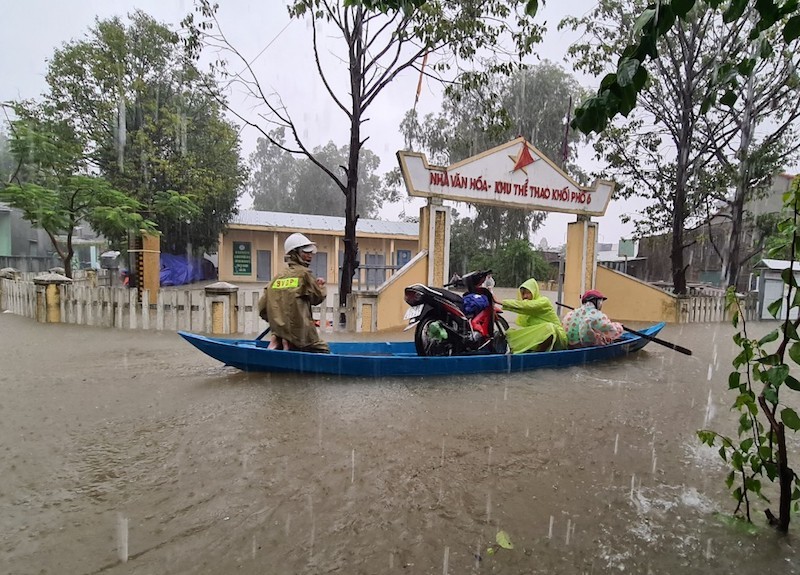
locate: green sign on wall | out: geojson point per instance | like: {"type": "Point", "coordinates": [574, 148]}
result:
{"type": "Point", "coordinates": [242, 262]}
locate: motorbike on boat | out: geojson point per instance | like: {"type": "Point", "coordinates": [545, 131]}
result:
{"type": "Point", "coordinates": [451, 324]}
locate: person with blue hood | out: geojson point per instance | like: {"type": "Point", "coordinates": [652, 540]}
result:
{"type": "Point", "coordinates": [540, 328]}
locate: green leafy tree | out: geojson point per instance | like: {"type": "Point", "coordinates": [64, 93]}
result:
{"type": "Point", "coordinates": [273, 173]}
{"type": "Point", "coordinates": [619, 89]}
{"type": "Point", "coordinates": [763, 383]}
{"type": "Point", "coordinates": [659, 152]}
{"type": "Point", "coordinates": [7, 163]}
{"type": "Point", "coordinates": [373, 48]}
{"type": "Point", "coordinates": [54, 191]}
{"type": "Point", "coordinates": [517, 262]}
{"type": "Point", "coordinates": [531, 6]}
{"type": "Point", "coordinates": [762, 135]}
{"type": "Point", "coordinates": [282, 182]}
{"type": "Point", "coordinates": [677, 149]}
{"type": "Point", "coordinates": [467, 251]}
{"type": "Point", "coordinates": [513, 263]}
{"type": "Point", "coordinates": [147, 123]}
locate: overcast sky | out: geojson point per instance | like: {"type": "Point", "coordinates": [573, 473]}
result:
{"type": "Point", "coordinates": [32, 29]}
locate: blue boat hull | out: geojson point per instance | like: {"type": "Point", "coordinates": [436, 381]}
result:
{"type": "Point", "coordinates": [382, 359]}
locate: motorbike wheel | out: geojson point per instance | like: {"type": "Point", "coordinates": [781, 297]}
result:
{"type": "Point", "coordinates": [425, 344]}
{"type": "Point", "coordinates": [499, 342]}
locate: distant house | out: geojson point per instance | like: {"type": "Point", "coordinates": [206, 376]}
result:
{"type": "Point", "coordinates": [23, 246]}
{"type": "Point", "coordinates": [621, 257]}
{"type": "Point", "coordinates": [770, 286]}
{"type": "Point", "coordinates": [87, 245]}
{"type": "Point", "coordinates": [705, 264]}
{"type": "Point", "coordinates": [251, 249]}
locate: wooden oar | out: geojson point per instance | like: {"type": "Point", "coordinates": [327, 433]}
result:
{"type": "Point", "coordinates": [654, 339]}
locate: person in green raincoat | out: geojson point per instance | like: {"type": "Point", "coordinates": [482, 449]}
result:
{"type": "Point", "coordinates": [540, 328]}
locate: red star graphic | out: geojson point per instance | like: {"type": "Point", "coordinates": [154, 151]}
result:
{"type": "Point", "coordinates": [523, 159]}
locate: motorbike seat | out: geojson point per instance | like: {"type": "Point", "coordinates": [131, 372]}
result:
{"type": "Point", "coordinates": [448, 295]}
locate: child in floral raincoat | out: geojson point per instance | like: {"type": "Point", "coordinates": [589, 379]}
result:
{"type": "Point", "coordinates": [540, 329]}
{"type": "Point", "coordinates": [588, 326]}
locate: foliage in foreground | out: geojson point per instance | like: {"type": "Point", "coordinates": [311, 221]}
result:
{"type": "Point", "coordinates": [763, 384]}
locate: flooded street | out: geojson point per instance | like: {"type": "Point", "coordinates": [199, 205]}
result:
{"type": "Point", "coordinates": [133, 445]}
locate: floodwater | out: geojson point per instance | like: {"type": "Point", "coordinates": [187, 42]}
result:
{"type": "Point", "coordinates": [131, 452]}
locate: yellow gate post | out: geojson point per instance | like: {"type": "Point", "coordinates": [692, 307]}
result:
{"type": "Point", "coordinates": [580, 266]}
{"type": "Point", "coordinates": [222, 315]}
{"type": "Point", "coordinates": [434, 236]}
{"type": "Point", "coordinates": [48, 298]}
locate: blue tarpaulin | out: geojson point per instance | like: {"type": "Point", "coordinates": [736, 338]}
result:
{"type": "Point", "coordinates": [180, 270]}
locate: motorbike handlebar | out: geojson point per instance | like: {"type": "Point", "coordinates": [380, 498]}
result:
{"type": "Point", "coordinates": [458, 281]}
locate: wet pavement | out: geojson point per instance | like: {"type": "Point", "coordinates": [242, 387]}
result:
{"type": "Point", "coordinates": [131, 452]}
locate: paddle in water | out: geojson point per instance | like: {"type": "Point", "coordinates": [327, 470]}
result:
{"type": "Point", "coordinates": [677, 348]}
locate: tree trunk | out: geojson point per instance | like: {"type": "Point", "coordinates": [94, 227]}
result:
{"type": "Point", "coordinates": [737, 213]}
{"type": "Point", "coordinates": [67, 261]}
{"type": "Point", "coordinates": [678, 219]}
{"type": "Point", "coordinates": [678, 269]}
{"type": "Point", "coordinates": [742, 183]}
{"type": "Point", "coordinates": [65, 254]}
{"type": "Point", "coordinates": [350, 262]}
{"type": "Point", "coordinates": [786, 475]}
{"type": "Point", "coordinates": [67, 257]}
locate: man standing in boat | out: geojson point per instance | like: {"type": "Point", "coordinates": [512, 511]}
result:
{"type": "Point", "coordinates": [588, 325]}
{"type": "Point", "coordinates": [287, 300]}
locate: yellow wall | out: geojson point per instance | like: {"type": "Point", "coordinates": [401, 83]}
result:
{"type": "Point", "coordinates": [630, 299]}
{"type": "Point", "coordinates": [272, 241]}
{"type": "Point", "coordinates": [391, 306]}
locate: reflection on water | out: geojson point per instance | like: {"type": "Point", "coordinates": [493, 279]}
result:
{"type": "Point", "coordinates": [159, 456]}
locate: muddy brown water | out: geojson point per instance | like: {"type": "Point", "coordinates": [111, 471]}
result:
{"type": "Point", "coordinates": [133, 445]}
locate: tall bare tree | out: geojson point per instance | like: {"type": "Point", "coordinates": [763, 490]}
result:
{"type": "Point", "coordinates": [760, 116]}
{"type": "Point", "coordinates": [661, 152]}
{"type": "Point", "coordinates": [374, 48]}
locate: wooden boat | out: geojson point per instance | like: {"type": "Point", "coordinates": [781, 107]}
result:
{"type": "Point", "coordinates": [384, 359]}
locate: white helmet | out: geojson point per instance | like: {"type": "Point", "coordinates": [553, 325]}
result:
{"type": "Point", "coordinates": [296, 241]}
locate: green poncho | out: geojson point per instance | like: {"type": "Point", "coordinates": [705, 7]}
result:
{"type": "Point", "coordinates": [538, 322]}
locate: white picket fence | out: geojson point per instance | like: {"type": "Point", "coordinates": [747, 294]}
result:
{"type": "Point", "coordinates": [711, 308]}
{"type": "Point", "coordinates": [190, 309]}
{"type": "Point", "coordinates": [120, 307]}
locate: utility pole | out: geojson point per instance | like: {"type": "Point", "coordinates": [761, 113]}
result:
{"type": "Point", "coordinates": [564, 147]}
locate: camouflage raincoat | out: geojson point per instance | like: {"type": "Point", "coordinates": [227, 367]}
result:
{"type": "Point", "coordinates": [286, 305]}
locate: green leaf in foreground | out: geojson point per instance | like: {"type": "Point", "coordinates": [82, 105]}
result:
{"type": "Point", "coordinates": [503, 540]}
